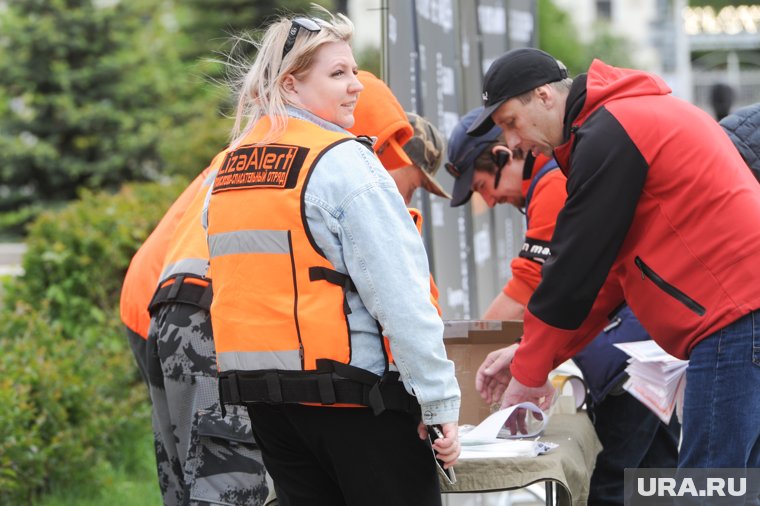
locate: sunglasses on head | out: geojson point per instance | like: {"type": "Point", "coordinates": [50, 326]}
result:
{"type": "Point", "coordinates": [310, 24]}
{"type": "Point", "coordinates": [452, 169]}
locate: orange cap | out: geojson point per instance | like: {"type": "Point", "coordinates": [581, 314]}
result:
{"type": "Point", "coordinates": [379, 114]}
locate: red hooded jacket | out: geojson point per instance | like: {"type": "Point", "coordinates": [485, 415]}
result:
{"type": "Point", "coordinates": [661, 212]}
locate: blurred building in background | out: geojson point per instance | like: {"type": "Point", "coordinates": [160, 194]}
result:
{"type": "Point", "coordinates": [725, 51]}
{"type": "Point", "coordinates": [707, 55]}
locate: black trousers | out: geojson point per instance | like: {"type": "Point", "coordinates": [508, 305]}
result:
{"type": "Point", "coordinates": [632, 437]}
{"type": "Point", "coordinates": [139, 347]}
{"type": "Point", "coordinates": [345, 456]}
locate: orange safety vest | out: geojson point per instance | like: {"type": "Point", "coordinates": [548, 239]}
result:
{"type": "Point", "coordinates": [145, 268]}
{"type": "Point", "coordinates": [279, 311]}
{"type": "Point", "coordinates": [273, 307]}
{"type": "Point", "coordinates": [183, 275]}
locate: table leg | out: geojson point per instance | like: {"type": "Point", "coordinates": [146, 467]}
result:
{"type": "Point", "coordinates": [549, 486]}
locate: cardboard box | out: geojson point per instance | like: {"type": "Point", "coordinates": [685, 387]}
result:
{"type": "Point", "coordinates": [467, 345]}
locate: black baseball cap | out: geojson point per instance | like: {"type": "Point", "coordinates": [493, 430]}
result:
{"type": "Point", "coordinates": [515, 72]}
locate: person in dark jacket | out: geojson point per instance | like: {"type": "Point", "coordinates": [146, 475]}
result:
{"type": "Point", "coordinates": [721, 98]}
{"type": "Point", "coordinates": [662, 213]}
{"type": "Point", "coordinates": [743, 128]}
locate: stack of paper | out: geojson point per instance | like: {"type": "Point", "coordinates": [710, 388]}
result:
{"type": "Point", "coordinates": [495, 437]}
{"type": "Point", "coordinates": [656, 378]}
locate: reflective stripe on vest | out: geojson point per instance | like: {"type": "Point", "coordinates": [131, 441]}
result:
{"type": "Point", "coordinates": [249, 241]}
{"type": "Point", "coordinates": [267, 312]}
{"type": "Point", "coordinates": [288, 360]}
{"type": "Point", "coordinates": [196, 266]}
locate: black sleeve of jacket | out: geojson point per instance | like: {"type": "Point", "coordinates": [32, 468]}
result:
{"type": "Point", "coordinates": [606, 176]}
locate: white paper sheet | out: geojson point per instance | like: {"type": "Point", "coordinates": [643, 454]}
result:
{"type": "Point", "coordinates": [490, 430]}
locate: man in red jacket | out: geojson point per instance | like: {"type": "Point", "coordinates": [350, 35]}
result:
{"type": "Point", "coordinates": [632, 436]}
{"type": "Point", "coordinates": [661, 212]}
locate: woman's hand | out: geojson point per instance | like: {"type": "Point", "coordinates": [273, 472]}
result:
{"type": "Point", "coordinates": [446, 448]}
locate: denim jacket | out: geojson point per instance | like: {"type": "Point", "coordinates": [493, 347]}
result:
{"type": "Point", "coordinates": [358, 218]}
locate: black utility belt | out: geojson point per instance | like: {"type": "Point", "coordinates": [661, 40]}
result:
{"type": "Point", "coordinates": [325, 388]}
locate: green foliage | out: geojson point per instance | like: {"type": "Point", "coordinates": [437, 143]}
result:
{"type": "Point", "coordinates": [370, 59]}
{"type": "Point", "coordinates": [63, 401]}
{"type": "Point", "coordinates": [13, 223]}
{"type": "Point", "coordinates": [76, 257]}
{"type": "Point", "coordinates": [71, 395]}
{"type": "Point", "coordinates": [610, 48]}
{"type": "Point", "coordinates": [717, 4]}
{"type": "Point", "coordinates": [207, 24]}
{"type": "Point", "coordinates": [122, 485]}
{"type": "Point", "coordinates": [205, 31]}
{"type": "Point", "coordinates": [82, 97]}
{"type": "Point", "coordinates": [189, 147]}
{"type": "Point", "coordinates": [94, 93]}
{"type": "Point", "coordinates": [557, 35]}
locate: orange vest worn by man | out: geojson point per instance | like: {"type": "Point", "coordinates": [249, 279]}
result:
{"type": "Point", "coordinates": [144, 271]}
{"type": "Point", "coordinates": [188, 422]}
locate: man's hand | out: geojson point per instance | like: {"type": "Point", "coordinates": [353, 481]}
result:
{"type": "Point", "coordinates": [493, 374]}
{"type": "Point", "coordinates": [542, 396]}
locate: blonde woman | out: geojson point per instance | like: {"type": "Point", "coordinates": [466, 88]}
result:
{"type": "Point", "coordinates": [300, 221]}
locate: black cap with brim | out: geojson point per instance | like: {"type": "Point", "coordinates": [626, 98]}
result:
{"type": "Point", "coordinates": [484, 123]}
{"type": "Point", "coordinates": [515, 72]}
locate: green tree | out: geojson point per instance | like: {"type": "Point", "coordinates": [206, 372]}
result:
{"type": "Point", "coordinates": [557, 35]}
{"type": "Point", "coordinates": [72, 400]}
{"type": "Point", "coordinates": [97, 92]}
{"type": "Point", "coordinates": [609, 47]}
{"type": "Point", "coordinates": [80, 96]}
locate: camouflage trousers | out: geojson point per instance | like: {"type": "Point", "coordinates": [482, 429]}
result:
{"type": "Point", "coordinates": [201, 456]}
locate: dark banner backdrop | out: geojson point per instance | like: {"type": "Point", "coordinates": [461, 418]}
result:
{"type": "Point", "coordinates": [435, 54]}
